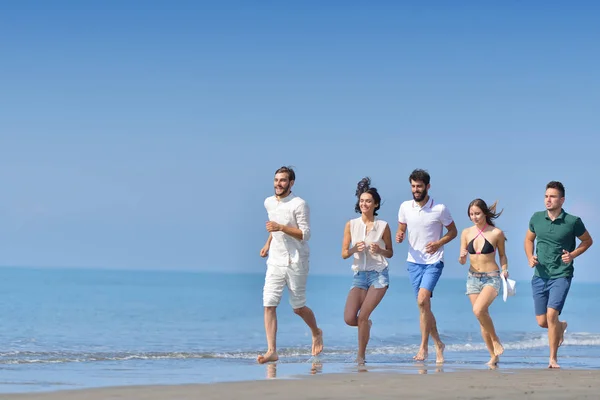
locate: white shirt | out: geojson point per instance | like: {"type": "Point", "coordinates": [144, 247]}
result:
{"type": "Point", "coordinates": [425, 224]}
{"type": "Point", "coordinates": [290, 211]}
{"type": "Point", "coordinates": [365, 260]}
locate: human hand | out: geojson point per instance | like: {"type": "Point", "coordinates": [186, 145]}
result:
{"type": "Point", "coordinates": [533, 261]}
{"type": "Point", "coordinates": [273, 226]}
{"type": "Point", "coordinates": [374, 248]}
{"type": "Point", "coordinates": [360, 246]}
{"type": "Point", "coordinates": [462, 258]}
{"type": "Point", "coordinates": [400, 236]}
{"type": "Point", "coordinates": [264, 251]}
{"type": "Point", "coordinates": [566, 257]}
{"type": "Point", "coordinates": [432, 247]}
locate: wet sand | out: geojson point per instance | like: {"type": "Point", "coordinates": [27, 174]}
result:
{"type": "Point", "coordinates": [477, 384]}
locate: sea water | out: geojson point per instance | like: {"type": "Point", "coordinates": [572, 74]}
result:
{"type": "Point", "coordinates": [81, 328]}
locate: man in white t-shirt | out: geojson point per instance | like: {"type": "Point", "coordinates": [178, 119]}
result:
{"type": "Point", "coordinates": [288, 260]}
{"type": "Point", "coordinates": [425, 219]}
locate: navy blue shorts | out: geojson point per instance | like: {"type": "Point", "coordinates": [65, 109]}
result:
{"type": "Point", "coordinates": [424, 276]}
{"type": "Point", "coordinates": [549, 293]}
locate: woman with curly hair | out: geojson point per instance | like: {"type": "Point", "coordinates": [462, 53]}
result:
{"type": "Point", "coordinates": [369, 241]}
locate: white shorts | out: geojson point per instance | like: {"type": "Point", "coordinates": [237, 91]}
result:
{"type": "Point", "coordinates": [294, 276]}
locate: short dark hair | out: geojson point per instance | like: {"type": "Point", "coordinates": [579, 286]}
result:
{"type": "Point", "coordinates": [558, 186]}
{"type": "Point", "coordinates": [287, 170]}
{"type": "Point", "coordinates": [420, 175]}
{"type": "Point", "coordinates": [364, 186]}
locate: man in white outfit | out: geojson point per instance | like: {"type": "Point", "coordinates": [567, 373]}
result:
{"type": "Point", "coordinates": [288, 260]}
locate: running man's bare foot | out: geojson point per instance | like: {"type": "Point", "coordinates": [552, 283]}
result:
{"type": "Point", "coordinates": [493, 361]}
{"type": "Point", "coordinates": [498, 349]}
{"type": "Point", "coordinates": [562, 333]}
{"type": "Point", "coordinates": [439, 353]}
{"type": "Point", "coordinates": [360, 360]}
{"type": "Point", "coordinates": [421, 355]}
{"type": "Point", "coordinates": [553, 364]}
{"type": "Point", "coordinates": [269, 356]}
{"type": "Point", "coordinates": [317, 343]}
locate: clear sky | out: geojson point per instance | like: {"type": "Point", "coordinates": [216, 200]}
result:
{"type": "Point", "coordinates": [146, 134]}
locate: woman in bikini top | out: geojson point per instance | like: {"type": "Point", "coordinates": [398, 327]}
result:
{"type": "Point", "coordinates": [480, 243]}
{"type": "Point", "coordinates": [486, 238]}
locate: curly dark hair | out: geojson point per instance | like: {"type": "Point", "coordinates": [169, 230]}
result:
{"type": "Point", "coordinates": [420, 175]}
{"type": "Point", "coordinates": [364, 186]}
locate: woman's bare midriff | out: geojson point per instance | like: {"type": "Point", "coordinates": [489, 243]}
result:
{"type": "Point", "coordinates": [484, 263]}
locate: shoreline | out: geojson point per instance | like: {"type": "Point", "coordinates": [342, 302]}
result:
{"type": "Point", "coordinates": [434, 383]}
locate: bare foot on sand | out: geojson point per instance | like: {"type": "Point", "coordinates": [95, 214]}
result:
{"type": "Point", "coordinates": [553, 364]}
{"type": "Point", "coordinates": [317, 343]}
{"type": "Point", "coordinates": [421, 355]}
{"type": "Point", "coordinates": [493, 361]}
{"type": "Point", "coordinates": [439, 353]}
{"type": "Point", "coordinates": [269, 356]}
{"type": "Point", "coordinates": [498, 349]}
{"type": "Point", "coordinates": [562, 333]}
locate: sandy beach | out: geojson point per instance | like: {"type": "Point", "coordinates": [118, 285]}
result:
{"type": "Point", "coordinates": [497, 384]}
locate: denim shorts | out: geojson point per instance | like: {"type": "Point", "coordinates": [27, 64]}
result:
{"type": "Point", "coordinates": [424, 276]}
{"type": "Point", "coordinates": [549, 293]}
{"type": "Point", "coordinates": [366, 279]}
{"type": "Point", "coordinates": [477, 281]}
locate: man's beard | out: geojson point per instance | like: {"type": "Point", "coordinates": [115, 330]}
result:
{"type": "Point", "coordinates": [422, 196]}
{"type": "Point", "coordinates": [285, 192]}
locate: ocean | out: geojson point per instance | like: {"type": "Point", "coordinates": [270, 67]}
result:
{"type": "Point", "coordinates": [83, 328]}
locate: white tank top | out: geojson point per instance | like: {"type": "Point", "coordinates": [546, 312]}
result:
{"type": "Point", "coordinates": [365, 260]}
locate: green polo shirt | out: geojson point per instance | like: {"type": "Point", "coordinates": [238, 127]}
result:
{"type": "Point", "coordinates": [552, 237]}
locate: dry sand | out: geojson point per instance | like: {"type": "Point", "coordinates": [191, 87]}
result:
{"type": "Point", "coordinates": [478, 384]}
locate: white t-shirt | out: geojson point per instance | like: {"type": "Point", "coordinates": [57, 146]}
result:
{"type": "Point", "coordinates": [365, 260]}
{"type": "Point", "coordinates": [291, 211]}
{"type": "Point", "coordinates": [424, 224]}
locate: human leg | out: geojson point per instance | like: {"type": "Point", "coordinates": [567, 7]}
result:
{"type": "Point", "coordinates": [297, 275]}
{"type": "Point", "coordinates": [429, 281]}
{"type": "Point", "coordinates": [481, 311]}
{"type": "Point", "coordinates": [558, 290]}
{"type": "Point", "coordinates": [378, 284]}
{"type": "Point", "coordinates": [272, 291]}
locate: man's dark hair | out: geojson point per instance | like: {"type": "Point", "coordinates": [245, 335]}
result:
{"type": "Point", "coordinates": [420, 175]}
{"type": "Point", "coordinates": [287, 170]}
{"type": "Point", "coordinates": [558, 186]}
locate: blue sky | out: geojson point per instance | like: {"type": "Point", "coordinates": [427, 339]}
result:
{"type": "Point", "coordinates": [144, 135]}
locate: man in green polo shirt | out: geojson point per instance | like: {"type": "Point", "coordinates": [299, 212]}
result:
{"type": "Point", "coordinates": [555, 231]}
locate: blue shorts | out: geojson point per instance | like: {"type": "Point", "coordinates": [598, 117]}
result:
{"type": "Point", "coordinates": [549, 293]}
{"type": "Point", "coordinates": [424, 275]}
{"type": "Point", "coordinates": [366, 279]}
{"type": "Point", "coordinates": [476, 282]}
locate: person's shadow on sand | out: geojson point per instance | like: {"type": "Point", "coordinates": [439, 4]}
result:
{"type": "Point", "coordinates": [423, 369]}
{"type": "Point", "coordinates": [315, 368]}
{"type": "Point", "coordinates": [271, 370]}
